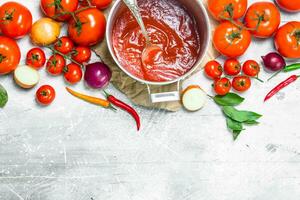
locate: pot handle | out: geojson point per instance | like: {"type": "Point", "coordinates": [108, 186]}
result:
{"type": "Point", "coordinates": [164, 96]}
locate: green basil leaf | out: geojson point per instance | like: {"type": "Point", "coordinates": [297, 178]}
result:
{"type": "Point", "coordinates": [3, 96]}
{"type": "Point", "coordinates": [240, 116]}
{"type": "Point", "coordinates": [234, 125]}
{"type": "Point", "coordinates": [251, 122]}
{"type": "Point", "coordinates": [230, 99]}
{"type": "Point", "coordinates": [236, 134]}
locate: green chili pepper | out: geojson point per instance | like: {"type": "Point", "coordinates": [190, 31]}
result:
{"type": "Point", "coordinates": [287, 68]}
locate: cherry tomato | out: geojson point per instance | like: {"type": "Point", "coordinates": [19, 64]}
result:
{"type": "Point", "coordinates": [100, 4]}
{"type": "Point", "coordinates": [251, 68]}
{"type": "Point", "coordinates": [232, 67]}
{"type": "Point", "coordinates": [81, 54]}
{"type": "Point", "coordinates": [15, 20]}
{"type": "Point", "coordinates": [36, 58]}
{"type": "Point", "coordinates": [10, 55]}
{"type": "Point", "coordinates": [230, 40]}
{"type": "Point", "coordinates": [213, 70]}
{"type": "Point", "coordinates": [289, 5]}
{"type": "Point", "coordinates": [55, 65]}
{"type": "Point", "coordinates": [54, 8]}
{"type": "Point", "coordinates": [45, 95]}
{"type": "Point", "coordinates": [73, 73]}
{"type": "Point", "coordinates": [241, 83]}
{"type": "Point", "coordinates": [227, 8]}
{"type": "Point", "coordinates": [287, 40]}
{"type": "Point", "coordinates": [222, 86]}
{"type": "Point", "coordinates": [64, 45]}
{"type": "Point", "coordinates": [263, 18]}
{"type": "Point", "coordinates": [89, 28]}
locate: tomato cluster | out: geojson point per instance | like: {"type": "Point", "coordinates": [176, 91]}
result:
{"type": "Point", "coordinates": [232, 68]}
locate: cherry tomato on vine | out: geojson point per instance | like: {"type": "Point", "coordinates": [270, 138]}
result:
{"type": "Point", "coordinates": [230, 40]}
{"type": "Point", "coordinates": [222, 86]}
{"type": "Point", "coordinates": [81, 54]}
{"type": "Point", "coordinates": [241, 83]}
{"type": "Point", "coordinates": [263, 18]}
{"type": "Point", "coordinates": [232, 67]}
{"type": "Point", "coordinates": [289, 5]}
{"type": "Point", "coordinates": [36, 58]}
{"type": "Point", "coordinates": [72, 73]}
{"type": "Point", "coordinates": [233, 9]}
{"type": "Point", "coordinates": [10, 55]}
{"type": "Point", "coordinates": [213, 70]}
{"type": "Point", "coordinates": [55, 8]}
{"type": "Point", "coordinates": [55, 65]}
{"type": "Point", "coordinates": [15, 20]}
{"type": "Point", "coordinates": [251, 68]}
{"type": "Point", "coordinates": [287, 40]}
{"type": "Point", "coordinates": [64, 45]}
{"type": "Point", "coordinates": [45, 95]}
{"type": "Point", "coordinates": [100, 4]}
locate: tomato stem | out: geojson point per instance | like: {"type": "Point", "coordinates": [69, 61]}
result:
{"type": "Point", "coordinates": [2, 57]}
{"type": "Point", "coordinates": [65, 56]}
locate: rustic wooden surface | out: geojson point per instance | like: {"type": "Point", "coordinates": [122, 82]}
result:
{"type": "Point", "coordinates": [76, 151]}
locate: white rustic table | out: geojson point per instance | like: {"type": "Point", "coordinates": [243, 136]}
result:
{"type": "Point", "coordinates": [75, 151]}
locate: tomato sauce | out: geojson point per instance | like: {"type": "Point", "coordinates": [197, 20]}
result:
{"type": "Point", "coordinates": [170, 27]}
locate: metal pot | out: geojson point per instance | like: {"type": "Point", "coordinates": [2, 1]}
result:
{"type": "Point", "coordinates": [195, 8]}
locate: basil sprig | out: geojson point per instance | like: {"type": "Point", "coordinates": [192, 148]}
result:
{"type": "Point", "coordinates": [3, 96]}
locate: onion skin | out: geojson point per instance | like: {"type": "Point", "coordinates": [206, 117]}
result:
{"type": "Point", "coordinates": [274, 61]}
{"type": "Point", "coordinates": [97, 75]}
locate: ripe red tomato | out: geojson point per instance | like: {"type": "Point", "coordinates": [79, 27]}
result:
{"type": "Point", "coordinates": [10, 55]}
{"type": "Point", "coordinates": [64, 45]}
{"type": "Point", "coordinates": [54, 8]}
{"type": "Point", "coordinates": [227, 8]}
{"type": "Point", "coordinates": [100, 4]}
{"type": "Point", "coordinates": [287, 40]}
{"type": "Point", "coordinates": [45, 95]}
{"type": "Point", "coordinates": [263, 18]}
{"type": "Point", "coordinates": [82, 54]}
{"type": "Point", "coordinates": [89, 29]}
{"type": "Point", "coordinates": [241, 83]}
{"type": "Point", "coordinates": [232, 67]}
{"type": "Point", "coordinates": [72, 73]}
{"type": "Point", "coordinates": [55, 65]}
{"type": "Point", "coordinates": [230, 40]}
{"type": "Point", "coordinates": [289, 5]}
{"type": "Point", "coordinates": [213, 70]}
{"type": "Point", "coordinates": [251, 68]}
{"type": "Point", "coordinates": [15, 20]}
{"type": "Point", "coordinates": [36, 58]}
{"type": "Point", "coordinates": [222, 86]}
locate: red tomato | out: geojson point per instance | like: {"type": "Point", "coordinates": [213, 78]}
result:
{"type": "Point", "coordinates": [230, 40]}
{"type": "Point", "coordinates": [289, 5]}
{"type": "Point", "coordinates": [54, 8]}
{"type": "Point", "coordinates": [241, 83]}
{"type": "Point", "coordinates": [55, 65]}
{"type": "Point", "coordinates": [251, 68]}
{"type": "Point", "coordinates": [82, 54]}
{"type": "Point", "coordinates": [36, 58]}
{"type": "Point", "coordinates": [263, 18]}
{"type": "Point", "coordinates": [64, 45]}
{"type": "Point", "coordinates": [222, 86]}
{"type": "Point", "coordinates": [72, 73]}
{"type": "Point", "coordinates": [287, 40]}
{"type": "Point", "coordinates": [213, 70]}
{"type": "Point", "coordinates": [45, 95]}
{"type": "Point", "coordinates": [227, 8]}
{"type": "Point", "coordinates": [89, 29]}
{"type": "Point", "coordinates": [100, 4]}
{"type": "Point", "coordinates": [10, 55]}
{"type": "Point", "coordinates": [15, 20]}
{"type": "Point", "coordinates": [232, 67]}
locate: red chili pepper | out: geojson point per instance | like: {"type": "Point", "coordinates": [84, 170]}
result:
{"type": "Point", "coordinates": [280, 86]}
{"type": "Point", "coordinates": [113, 100]}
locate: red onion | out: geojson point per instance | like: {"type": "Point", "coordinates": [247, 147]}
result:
{"type": "Point", "coordinates": [97, 75]}
{"type": "Point", "coordinates": [274, 61]}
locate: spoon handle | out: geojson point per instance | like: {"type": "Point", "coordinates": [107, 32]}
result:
{"type": "Point", "coordinates": [133, 7]}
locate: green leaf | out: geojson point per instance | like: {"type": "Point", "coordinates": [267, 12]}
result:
{"type": "Point", "coordinates": [251, 122]}
{"type": "Point", "coordinates": [234, 125]}
{"type": "Point", "coordinates": [3, 96]}
{"type": "Point", "coordinates": [240, 116]}
{"type": "Point", "coordinates": [236, 134]}
{"type": "Point", "coordinates": [230, 99]}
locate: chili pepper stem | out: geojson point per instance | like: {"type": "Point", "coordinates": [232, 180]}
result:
{"type": "Point", "coordinates": [275, 75]}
